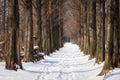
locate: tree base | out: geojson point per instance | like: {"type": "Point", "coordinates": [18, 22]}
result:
{"type": "Point", "coordinates": [103, 72]}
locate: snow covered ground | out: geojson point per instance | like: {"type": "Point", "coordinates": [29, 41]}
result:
{"type": "Point", "coordinates": [68, 63]}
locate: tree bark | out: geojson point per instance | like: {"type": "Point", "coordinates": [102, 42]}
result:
{"type": "Point", "coordinates": [116, 33]}
{"type": "Point", "coordinates": [28, 47]}
{"type": "Point", "coordinates": [39, 22]}
{"type": "Point", "coordinates": [4, 16]}
{"type": "Point", "coordinates": [92, 28]}
{"type": "Point", "coordinates": [100, 31]}
{"type": "Point", "coordinates": [111, 59]}
{"type": "Point", "coordinates": [13, 57]}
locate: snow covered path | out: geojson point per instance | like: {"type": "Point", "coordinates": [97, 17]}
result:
{"type": "Point", "coordinates": [66, 64]}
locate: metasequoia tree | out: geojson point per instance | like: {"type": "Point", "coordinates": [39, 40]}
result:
{"type": "Point", "coordinates": [39, 22]}
{"type": "Point", "coordinates": [96, 16]}
{"type": "Point", "coordinates": [87, 32]}
{"type": "Point", "coordinates": [13, 57]}
{"type": "Point", "coordinates": [112, 51]}
{"type": "Point", "coordinates": [51, 26]}
{"type": "Point", "coordinates": [44, 26]}
{"type": "Point", "coordinates": [100, 21]}
{"type": "Point", "coordinates": [2, 16]}
{"type": "Point", "coordinates": [28, 39]}
{"type": "Point", "coordinates": [92, 28]}
{"type": "Point", "coordinates": [20, 36]}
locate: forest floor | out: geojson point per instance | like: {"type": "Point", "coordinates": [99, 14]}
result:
{"type": "Point", "coordinates": [67, 63]}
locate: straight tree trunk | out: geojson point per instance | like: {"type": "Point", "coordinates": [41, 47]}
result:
{"type": "Point", "coordinates": [13, 57]}
{"type": "Point", "coordinates": [100, 31]}
{"type": "Point", "coordinates": [39, 22]}
{"type": "Point", "coordinates": [88, 30]}
{"type": "Point", "coordinates": [119, 34]}
{"type": "Point", "coordinates": [4, 16]}
{"type": "Point", "coordinates": [116, 32]}
{"type": "Point", "coordinates": [92, 28]}
{"type": "Point", "coordinates": [103, 32]}
{"type": "Point", "coordinates": [82, 29]}
{"type": "Point", "coordinates": [111, 57]}
{"type": "Point", "coordinates": [28, 47]}
{"type": "Point", "coordinates": [44, 26]}
{"type": "Point", "coordinates": [85, 28]}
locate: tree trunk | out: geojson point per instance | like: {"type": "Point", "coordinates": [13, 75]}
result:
{"type": "Point", "coordinates": [13, 57]}
{"type": "Point", "coordinates": [116, 26]}
{"type": "Point", "coordinates": [103, 32]}
{"type": "Point", "coordinates": [82, 29]}
{"type": "Point", "coordinates": [100, 31]}
{"type": "Point", "coordinates": [88, 25]}
{"type": "Point", "coordinates": [28, 47]}
{"type": "Point", "coordinates": [85, 29]}
{"type": "Point", "coordinates": [119, 35]}
{"type": "Point", "coordinates": [92, 28]}
{"type": "Point", "coordinates": [39, 22]}
{"type": "Point", "coordinates": [112, 34]}
{"type": "Point", "coordinates": [4, 16]}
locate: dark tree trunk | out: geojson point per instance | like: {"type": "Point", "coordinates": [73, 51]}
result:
{"type": "Point", "coordinates": [51, 26]}
{"type": "Point", "coordinates": [116, 26]}
{"type": "Point", "coordinates": [28, 45]}
{"type": "Point", "coordinates": [92, 28]}
{"type": "Point", "coordinates": [119, 35]}
{"type": "Point", "coordinates": [85, 28]}
{"type": "Point", "coordinates": [111, 57]}
{"type": "Point", "coordinates": [88, 25]}
{"type": "Point", "coordinates": [103, 32]}
{"type": "Point", "coordinates": [44, 26]}
{"type": "Point", "coordinates": [82, 27]}
{"type": "Point", "coordinates": [13, 57]}
{"type": "Point", "coordinates": [39, 22]}
{"type": "Point", "coordinates": [100, 31]}
{"type": "Point", "coordinates": [4, 16]}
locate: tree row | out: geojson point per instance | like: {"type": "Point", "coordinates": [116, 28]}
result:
{"type": "Point", "coordinates": [31, 23]}
{"type": "Point", "coordinates": [99, 31]}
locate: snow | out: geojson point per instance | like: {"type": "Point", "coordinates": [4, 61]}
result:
{"type": "Point", "coordinates": [0, 49]}
{"type": "Point", "coordinates": [35, 47]}
{"type": "Point", "coordinates": [41, 53]}
{"type": "Point", "coordinates": [67, 63]}
{"type": "Point", "coordinates": [2, 42]}
{"type": "Point", "coordinates": [22, 54]}
{"type": "Point", "coordinates": [113, 75]}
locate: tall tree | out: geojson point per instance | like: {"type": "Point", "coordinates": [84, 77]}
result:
{"type": "Point", "coordinates": [28, 45]}
{"type": "Point", "coordinates": [13, 57]}
{"type": "Point", "coordinates": [112, 53]}
{"type": "Point", "coordinates": [4, 15]}
{"type": "Point", "coordinates": [44, 26]}
{"type": "Point", "coordinates": [39, 23]}
{"type": "Point", "coordinates": [82, 26]}
{"type": "Point", "coordinates": [92, 28]}
{"type": "Point", "coordinates": [100, 51]}
{"type": "Point", "coordinates": [85, 28]}
{"type": "Point", "coordinates": [116, 26]}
